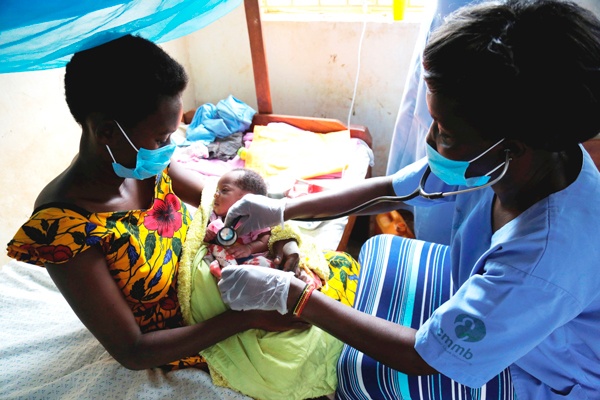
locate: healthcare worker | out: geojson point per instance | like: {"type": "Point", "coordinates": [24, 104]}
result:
{"type": "Point", "coordinates": [513, 90]}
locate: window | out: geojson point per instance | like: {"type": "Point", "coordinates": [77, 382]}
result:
{"type": "Point", "coordinates": [343, 7]}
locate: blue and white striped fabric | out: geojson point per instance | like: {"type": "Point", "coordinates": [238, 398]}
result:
{"type": "Point", "coordinates": [404, 281]}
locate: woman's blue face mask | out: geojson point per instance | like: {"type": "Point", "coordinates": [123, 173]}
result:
{"type": "Point", "coordinates": [454, 172]}
{"type": "Point", "coordinates": [148, 163]}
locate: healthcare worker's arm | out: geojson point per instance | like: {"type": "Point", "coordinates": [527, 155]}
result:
{"type": "Point", "coordinates": [387, 342]}
{"type": "Point", "coordinates": [246, 288]}
{"type": "Point", "coordinates": [259, 212]}
{"type": "Point", "coordinates": [330, 202]}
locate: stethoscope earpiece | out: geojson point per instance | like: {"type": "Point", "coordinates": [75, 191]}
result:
{"type": "Point", "coordinates": [227, 235]}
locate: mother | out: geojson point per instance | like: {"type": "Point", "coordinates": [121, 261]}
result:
{"type": "Point", "coordinates": [110, 228]}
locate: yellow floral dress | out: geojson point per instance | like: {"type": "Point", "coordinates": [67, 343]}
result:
{"type": "Point", "coordinates": [142, 249]}
{"type": "Point", "coordinates": [343, 277]}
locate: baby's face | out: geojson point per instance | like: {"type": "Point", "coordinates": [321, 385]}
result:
{"type": "Point", "coordinates": [227, 193]}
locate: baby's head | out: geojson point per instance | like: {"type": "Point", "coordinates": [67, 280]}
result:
{"type": "Point", "coordinates": [234, 185]}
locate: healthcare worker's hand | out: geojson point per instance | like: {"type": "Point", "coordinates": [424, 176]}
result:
{"type": "Point", "coordinates": [245, 287]}
{"type": "Point", "coordinates": [257, 212]}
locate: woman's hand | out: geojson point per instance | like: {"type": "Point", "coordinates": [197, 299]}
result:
{"type": "Point", "coordinates": [274, 322]}
{"type": "Point", "coordinates": [286, 255]}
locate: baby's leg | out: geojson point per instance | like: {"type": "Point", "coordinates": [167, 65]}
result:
{"type": "Point", "coordinates": [221, 259]}
{"type": "Point", "coordinates": [260, 261]}
{"type": "Point", "coordinates": [215, 269]}
{"type": "Point", "coordinates": [222, 256]}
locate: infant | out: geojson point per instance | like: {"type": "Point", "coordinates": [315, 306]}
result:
{"type": "Point", "coordinates": [249, 249]}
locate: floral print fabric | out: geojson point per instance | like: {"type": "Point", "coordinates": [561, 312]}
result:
{"type": "Point", "coordinates": [343, 277]}
{"type": "Point", "coordinates": [141, 247]}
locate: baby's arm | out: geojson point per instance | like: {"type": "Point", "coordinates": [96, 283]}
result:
{"type": "Point", "coordinates": [260, 245]}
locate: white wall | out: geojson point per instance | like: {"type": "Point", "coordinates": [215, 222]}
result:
{"type": "Point", "coordinates": [312, 67]}
{"type": "Point", "coordinates": [312, 70]}
{"type": "Point", "coordinates": [38, 138]}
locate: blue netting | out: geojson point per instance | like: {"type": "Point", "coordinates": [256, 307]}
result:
{"type": "Point", "coordinates": [44, 34]}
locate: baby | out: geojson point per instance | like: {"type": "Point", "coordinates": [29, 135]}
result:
{"type": "Point", "coordinates": [250, 249]}
{"type": "Point", "coordinates": [295, 364]}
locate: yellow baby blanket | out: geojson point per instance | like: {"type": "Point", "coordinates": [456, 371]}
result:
{"type": "Point", "coordinates": [284, 151]}
{"type": "Point", "coordinates": [263, 365]}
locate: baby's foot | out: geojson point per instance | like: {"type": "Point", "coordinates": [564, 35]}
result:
{"type": "Point", "coordinates": [215, 269]}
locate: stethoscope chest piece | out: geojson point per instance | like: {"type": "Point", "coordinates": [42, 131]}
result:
{"type": "Point", "coordinates": [227, 235]}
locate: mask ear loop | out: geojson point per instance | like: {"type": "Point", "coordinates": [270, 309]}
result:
{"type": "Point", "coordinates": [111, 154]}
{"type": "Point", "coordinates": [126, 137]}
{"type": "Point", "coordinates": [487, 151]}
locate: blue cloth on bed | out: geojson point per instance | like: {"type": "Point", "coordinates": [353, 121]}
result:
{"type": "Point", "coordinates": [229, 116]}
{"type": "Point", "coordinates": [42, 34]}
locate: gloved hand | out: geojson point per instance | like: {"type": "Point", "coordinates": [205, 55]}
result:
{"type": "Point", "coordinates": [245, 287]}
{"type": "Point", "coordinates": [257, 212]}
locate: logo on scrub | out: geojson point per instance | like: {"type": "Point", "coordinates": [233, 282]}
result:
{"type": "Point", "coordinates": [468, 328]}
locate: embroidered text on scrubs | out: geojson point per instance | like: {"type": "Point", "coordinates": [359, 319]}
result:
{"type": "Point", "coordinates": [451, 346]}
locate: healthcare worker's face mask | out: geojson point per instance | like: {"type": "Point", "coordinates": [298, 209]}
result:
{"type": "Point", "coordinates": [148, 163]}
{"type": "Point", "coordinates": [453, 172]}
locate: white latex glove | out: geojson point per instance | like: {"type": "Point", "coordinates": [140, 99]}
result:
{"type": "Point", "coordinates": [257, 212]}
{"type": "Point", "coordinates": [245, 287]}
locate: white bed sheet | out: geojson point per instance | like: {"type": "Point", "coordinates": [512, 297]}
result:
{"type": "Point", "coordinates": [47, 353]}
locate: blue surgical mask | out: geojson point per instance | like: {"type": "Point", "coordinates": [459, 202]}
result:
{"type": "Point", "coordinates": [148, 163]}
{"type": "Point", "coordinates": [454, 172]}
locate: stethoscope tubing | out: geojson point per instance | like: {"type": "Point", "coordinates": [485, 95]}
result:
{"type": "Point", "coordinates": [419, 191]}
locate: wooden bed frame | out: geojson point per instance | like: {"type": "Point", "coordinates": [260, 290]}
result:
{"type": "Point", "coordinates": [265, 108]}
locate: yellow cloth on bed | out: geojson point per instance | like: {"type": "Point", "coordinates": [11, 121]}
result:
{"type": "Point", "coordinates": [260, 364]}
{"type": "Point", "coordinates": [284, 151]}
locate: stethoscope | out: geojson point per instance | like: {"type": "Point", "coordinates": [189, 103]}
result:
{"type": "Point", "coordinates": [227, 235]}
{"type": "Point", "coordinates": [419, 191]}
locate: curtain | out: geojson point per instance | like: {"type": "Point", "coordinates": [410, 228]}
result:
{"type": "Point", "coordinates": [44, 34]}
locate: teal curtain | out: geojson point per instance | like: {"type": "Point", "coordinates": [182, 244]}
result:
{"type": "Point", "coordinates": [44, 34]}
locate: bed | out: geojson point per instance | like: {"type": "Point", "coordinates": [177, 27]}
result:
{"type": "Point", "coordinates": [47, 353]}
{"type": "Point", "coordinates": [333, 234]}
{"type": "Point", "coordinates": [316, 162]}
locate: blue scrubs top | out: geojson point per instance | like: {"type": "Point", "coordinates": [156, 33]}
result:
{"type": "Point", "coordinates": [526, 296]}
